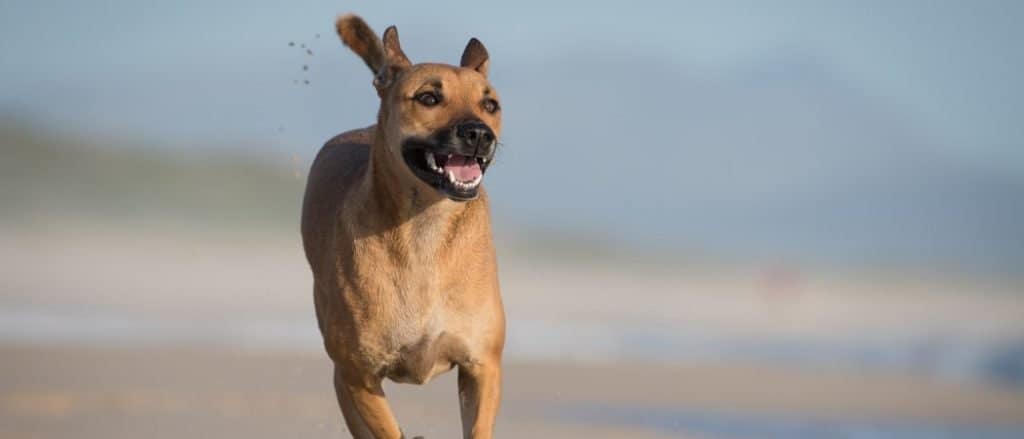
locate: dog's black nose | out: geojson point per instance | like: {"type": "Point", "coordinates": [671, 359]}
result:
{"type": "Point", "coordinates": [476, 136]}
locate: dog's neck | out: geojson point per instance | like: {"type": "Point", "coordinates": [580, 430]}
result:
{"type": "Point", "coordinates": [404, 214]}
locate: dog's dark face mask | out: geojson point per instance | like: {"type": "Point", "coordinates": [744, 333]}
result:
{"type": "Point", "coordinates": [454, 159]}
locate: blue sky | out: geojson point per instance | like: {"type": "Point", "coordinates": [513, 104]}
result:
{"type": "Point", "coordinates": [950, 66]}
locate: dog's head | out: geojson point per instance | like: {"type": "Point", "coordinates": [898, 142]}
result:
{"type": "Point", "coordinates": [441, 121]}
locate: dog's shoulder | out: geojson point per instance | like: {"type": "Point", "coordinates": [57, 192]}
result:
{"type": "Point", "coordinates": [361, 137]}
{"type": "Point", "coordinates": [343, 156]}
{"type": "Point", "coordinates": [350, 146]}
{"type": "Point", "coordinates": [338, 165]}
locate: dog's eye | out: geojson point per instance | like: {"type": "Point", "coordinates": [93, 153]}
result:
{"type": "Point", "coordinates": [491, 106]}
{"type": "Point", "coordinates": [428, 98]}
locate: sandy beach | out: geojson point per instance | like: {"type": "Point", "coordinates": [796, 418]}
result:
{"type": "Point", "coordinates": [74, 391]}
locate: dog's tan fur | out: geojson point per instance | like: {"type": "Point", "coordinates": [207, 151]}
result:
{"type": "Point", "coordinates": [405, 279]}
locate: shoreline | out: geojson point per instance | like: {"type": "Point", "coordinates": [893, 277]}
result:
{"type": "Point", "coordinates": [954, 359]}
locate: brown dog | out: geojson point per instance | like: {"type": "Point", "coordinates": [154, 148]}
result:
{"type": "Point", "coordinates": [397, 232]}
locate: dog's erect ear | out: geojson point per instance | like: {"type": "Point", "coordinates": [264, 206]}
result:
{"type": "Point", "coordinates": [358, 36]}
{"type": "Point", "coordinates": [393, 48]}
{"type": "Point", "coordinates": [475, 56]}
{"type": "Point", "coordinates": [395, 61]}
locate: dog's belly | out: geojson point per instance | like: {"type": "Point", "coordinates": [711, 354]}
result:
{"type": "Point", "coordinates": [431, 356]}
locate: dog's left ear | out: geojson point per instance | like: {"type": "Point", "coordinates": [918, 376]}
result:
{"type": "Point", "coordinates": [393, 49]}
{"type": "Point", "coordinates": [395, 61]}
{"type": "Point", "coordinates": [475, 57]}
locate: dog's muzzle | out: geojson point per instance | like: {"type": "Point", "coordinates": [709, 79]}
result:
{"type": "Point", "coordinates": [454, 160]}
{"type": "Point", "coordinates": [476, 136]}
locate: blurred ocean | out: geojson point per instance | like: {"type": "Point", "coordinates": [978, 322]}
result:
{"type": "Point", "coordinates": [881, 136]}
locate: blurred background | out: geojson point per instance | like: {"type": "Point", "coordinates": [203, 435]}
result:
{"type": "Point", "coordinates": [791, 219]}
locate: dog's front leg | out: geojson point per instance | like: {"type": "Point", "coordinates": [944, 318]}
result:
{"type": "Point", "coordinates": [367, 398]}
{"type": "Point", "coordinates": [479, 398]}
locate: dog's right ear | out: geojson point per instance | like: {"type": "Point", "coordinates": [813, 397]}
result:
{"type": "Point", "coordinates": [385, 58]}
{"type": "Point", "coordinates": [358, 36]}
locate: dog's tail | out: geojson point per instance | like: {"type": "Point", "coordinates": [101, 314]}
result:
{"type": "Point", "coordinates": [359, 37]}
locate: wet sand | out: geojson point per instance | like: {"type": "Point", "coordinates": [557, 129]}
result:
{"type": "Point", "coordinates": [55, 391]}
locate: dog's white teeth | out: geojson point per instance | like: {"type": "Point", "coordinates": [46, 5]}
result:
{"type": "Point", "coordinates": [432, 163]}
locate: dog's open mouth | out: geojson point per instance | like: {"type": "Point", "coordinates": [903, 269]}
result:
{"type": "Point", "coordinates": [457, 176]}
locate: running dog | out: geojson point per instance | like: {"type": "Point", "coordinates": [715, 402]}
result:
{"type": "Point", "coordinates": [396, 228]}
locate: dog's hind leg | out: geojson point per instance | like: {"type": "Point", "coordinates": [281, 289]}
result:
{"type": "Point", "coordinates": [479, 398]}
{"type": "Point", "coordinates": [366, 412]}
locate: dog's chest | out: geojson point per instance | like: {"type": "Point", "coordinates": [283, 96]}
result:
{"type": "Point", "coordinates": [412, 303]}
{"type": "Point", "coordinates": [422, 340]}
{"type": "Point", "coordinates": [426, 358]}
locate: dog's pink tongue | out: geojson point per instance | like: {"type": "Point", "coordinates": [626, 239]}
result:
{"type": "Point", "coordinates": [462, 167]}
